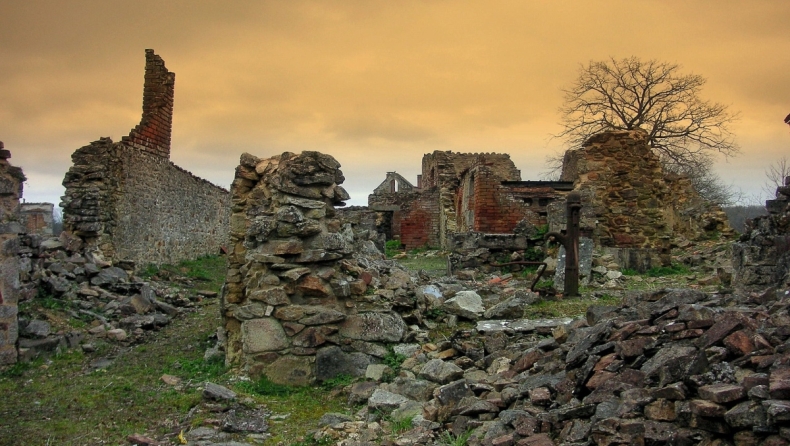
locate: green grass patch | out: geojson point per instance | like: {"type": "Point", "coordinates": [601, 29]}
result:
{"type": "Point", "coordinates": [303, 407]}
{"type": "Point", "coordinates": [448, 439]}
{"type": "Point", "coordinates": [433, 264]}
{"type": "Point", "coordinates": [209, 270]}
{"type": "Point", "coordinates": [338, 381]}
{"type": "Point", "coordinates": [392, 248]}
{"type": "Point", "coordinates": [64, 401]}
{"type": "Point", "coordinates": [398, 426]}
{"type": "Point", "coordinates": [196, 369]}
{"type": "Point", "coordinates": [265, 387]}
{"type": "Point", "coordinates": [312, 441]}
{"type": "Point", "coordinates": [672, 270]}
{"type": "Point", "coordinates": [569, 307]}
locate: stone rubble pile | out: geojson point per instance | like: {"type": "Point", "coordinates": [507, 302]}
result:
{"type": "Point", "coordinates": [668, 367]}
{"type": "Point", "coordinates": [109, 299]}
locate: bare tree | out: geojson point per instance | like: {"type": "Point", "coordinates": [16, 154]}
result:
{"type": "Point", "coordinates": [709, 185]}
{"type": "Point", "coordinates": [629, 93]}
{"type": "Point", "coordinates": [775, 175]}
{"type": "Point", "coordinates": [57, 221]}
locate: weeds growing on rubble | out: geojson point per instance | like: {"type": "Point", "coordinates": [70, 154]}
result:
{"type": "Point", "coordinates": [448, 439]}
{"type": "Point", "coordinates": [392, 248]}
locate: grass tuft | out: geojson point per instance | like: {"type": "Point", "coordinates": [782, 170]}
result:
{"type": "Point", "coordinates": [265, 387]}
{"type": "Point", "coordinates": [448, 439]}
{"type": "Point", "coordinates": [568, 307]}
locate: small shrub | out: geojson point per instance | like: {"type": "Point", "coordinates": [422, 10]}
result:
{"type": "Point", "coordinates": [400, 425]}
{"type": "Point", "coordinates": [629, 272]}
{"type": "Point", "coordinates": [392, 247]}
{"type": "Point", "coordinates": [544, 284]}
{"type": "Point", "coordinates": [672, 270]}
{"type": "Point", "coordinates": [435, 313]}
{"type": "Point", "coordinates": [198, 369]}
{"type": "Point", "coordinates": [448, 439]}
{"type": "Point", "coordinates": [149, 271]}
{"type": "Point", "coordinates": [534, 255]}
{"type": "Point", "coordinates": [394, 360]}
{"type": "Point", "coordinates": [341, 380]}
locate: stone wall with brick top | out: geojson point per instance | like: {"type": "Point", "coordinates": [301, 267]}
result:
{"type": "Point", "coordinates": [153, 133]}
{"type": "Point", "coordinates": [761, 258]}
{"type": "Point", "coordinates": [11, 180]}
{"type": "Point", "coordinates": [130, 202]}
{"type": "Point", "coordinates": [295, 304]}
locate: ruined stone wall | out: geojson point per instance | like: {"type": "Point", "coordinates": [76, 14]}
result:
{"type": "Point", "coordinates": [630, 194]}
{"type": "Point", "coordinates": [129, 201]}
{"type": "Point", "coordinates": [761, 258]}
{"type": "Point", "coordinates": [415, 215]}
{"type": "Point", "coordinates": [37, 217]}
{"type": "Point", "coordinates": [487, 204]}
{"type": "Point", "coordinates": [419, 223]}
{"type": "Point", "coordinates": [368, 224]}
{"type": "Point", "coordinates": [295, 304]}
{"type": "Point", "coordinates": [11, 179]}
{"type": "Point", "coordinates": [444, 171]}
{"type": "Point", "coordinates": [636, 204]}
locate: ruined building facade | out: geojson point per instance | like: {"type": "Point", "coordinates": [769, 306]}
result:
{"type": "Point", "coordinates": [631, 207]}
{"type": "Point", "coordinates": [128, 201]}
{"type": "Point", "coordinates": [459, 192]}
{"type": "Point", "coordinates": [11, 180]}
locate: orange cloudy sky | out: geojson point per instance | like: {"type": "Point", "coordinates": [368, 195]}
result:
{"type": "Point", "coordinates": [376, 84]}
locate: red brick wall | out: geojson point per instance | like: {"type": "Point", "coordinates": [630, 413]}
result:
{"type": "Point", "coordinates": [152, 135]}
{"type": "Point", "coordinates": [419, 223]}
{"type": "Point", "coordinates": [495, 212]}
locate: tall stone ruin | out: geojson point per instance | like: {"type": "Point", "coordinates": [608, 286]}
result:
{"type": "Point", "coordinates": [631, 206]}
{"type": "Point", "coordinates": [294, 305]}
{"type": "Point", "coordinates": [128, 201]}
{"type": "Point", "coordinates": [761, 258]}
{"type": "Point", "coordinates": [11, 181]}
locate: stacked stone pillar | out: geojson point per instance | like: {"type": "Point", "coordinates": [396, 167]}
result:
{"type": "Point", "coordinates": [11, 179]}
{"type": "Point", "coordinates": [295, 304]}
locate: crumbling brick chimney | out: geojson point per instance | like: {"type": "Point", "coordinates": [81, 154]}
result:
{"type": "Point", "coordinates": [152, 135]}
